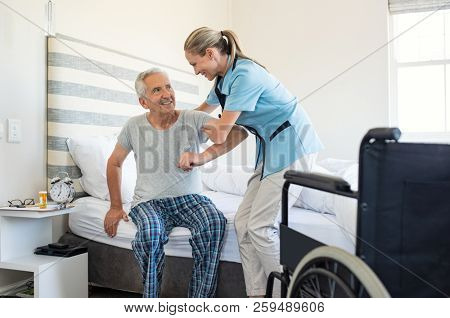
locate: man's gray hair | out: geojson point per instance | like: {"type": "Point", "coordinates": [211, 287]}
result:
{"type": "Point", "coordinates": [139, 84]}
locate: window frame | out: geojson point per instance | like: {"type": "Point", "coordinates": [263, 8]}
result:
{"type": "Point", "coordinates": [438, 137]}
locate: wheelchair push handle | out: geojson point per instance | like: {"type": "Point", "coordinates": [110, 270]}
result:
{"type": "Point", "coordinates": [382, 135]}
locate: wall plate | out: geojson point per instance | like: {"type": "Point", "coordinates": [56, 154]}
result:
{"type": "Point", "coordinates": [14, 130]}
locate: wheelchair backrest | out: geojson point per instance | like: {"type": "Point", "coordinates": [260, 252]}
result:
{"type": "Point", "coordinates": [403, 222]}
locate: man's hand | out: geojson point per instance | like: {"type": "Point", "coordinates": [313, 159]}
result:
{"type": "Point", "coordinates": [112, 220]}
{"type": "Point", "coordinates": [189, 160]}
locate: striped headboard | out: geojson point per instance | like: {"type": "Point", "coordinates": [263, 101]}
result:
{"type": "Point", "coordinates": [91, 93]}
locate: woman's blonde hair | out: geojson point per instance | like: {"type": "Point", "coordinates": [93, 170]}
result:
{"type": "Point", "coordinates": [225, 41]}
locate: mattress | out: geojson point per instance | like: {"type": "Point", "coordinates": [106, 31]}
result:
{"type": "Point", "coordinates": [87, 221]}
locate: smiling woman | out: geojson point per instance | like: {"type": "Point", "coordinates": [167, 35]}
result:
{"type": "Point", "coordinates": [253, 98]}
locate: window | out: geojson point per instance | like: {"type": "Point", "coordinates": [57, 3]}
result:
{"type": "Point", "coordinates": [420, 74]}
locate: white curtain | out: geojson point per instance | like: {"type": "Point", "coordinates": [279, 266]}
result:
{"type": "Point", "coordinates": [404, 6]}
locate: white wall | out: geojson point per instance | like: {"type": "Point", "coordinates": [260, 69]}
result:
{"type": "Point", "coordinates": [306, 43]}
{"type": "Point", "coordinates": [22, 96]}
{"type": "Point", "coordinates": [132, 28]}
{"type": "Point", "coordinates": [155, 30]}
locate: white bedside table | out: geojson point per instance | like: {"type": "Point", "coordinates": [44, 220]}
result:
{"type": "Point", "coordinates": [20, 233]}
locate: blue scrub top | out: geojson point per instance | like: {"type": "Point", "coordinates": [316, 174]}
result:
{"type": "Point", "coordinates": [283, 129]}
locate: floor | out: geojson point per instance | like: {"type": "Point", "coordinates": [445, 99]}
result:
{"type": "Point", "coordinates": [100, 292]}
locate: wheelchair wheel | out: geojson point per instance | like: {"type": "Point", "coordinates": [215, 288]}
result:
{"type": "Point", "coordinates": [330, 272]}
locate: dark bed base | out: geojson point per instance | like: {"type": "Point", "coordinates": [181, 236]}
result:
{"type": "Point", "coordinates": [116, 268]}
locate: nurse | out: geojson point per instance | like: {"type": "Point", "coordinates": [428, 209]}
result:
{"type": "Point", "coordinates": [285, 139]}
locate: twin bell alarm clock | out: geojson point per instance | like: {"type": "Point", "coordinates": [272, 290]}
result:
{"type": "Point", "coordinates": [62, 190]}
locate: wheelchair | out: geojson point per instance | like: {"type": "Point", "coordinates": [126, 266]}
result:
{"type": "Point", "coordinates": [402, 230]}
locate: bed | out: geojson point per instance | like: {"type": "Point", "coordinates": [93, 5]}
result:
{"type": "Point", "coordinates": [90, 96]}
{"type": "Point", "coordinates": [87, 221]}
{"type": "Point", "coordinates": [86, 226]}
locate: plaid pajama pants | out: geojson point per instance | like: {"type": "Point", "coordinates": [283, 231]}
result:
{"type": "Point", "coordinates": [154, 221]}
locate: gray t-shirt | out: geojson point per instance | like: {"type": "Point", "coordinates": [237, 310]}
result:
{"type": "Point", "coordinates": [157, 153]}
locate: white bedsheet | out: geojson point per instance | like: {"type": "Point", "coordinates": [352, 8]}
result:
{"type": "Point", "coordinates": [89, 212]}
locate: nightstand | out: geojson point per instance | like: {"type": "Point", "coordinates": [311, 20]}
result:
{"type": "Point", "coordinates": [20, 233]}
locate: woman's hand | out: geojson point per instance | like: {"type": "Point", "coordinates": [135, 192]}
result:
{"type": "Point", "coordinates": [218, 129]}
{"type": "Point", "coordinates": [189, 160]}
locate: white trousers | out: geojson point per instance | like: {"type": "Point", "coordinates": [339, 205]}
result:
{"type": "Point", "coordinates": [257, 227]}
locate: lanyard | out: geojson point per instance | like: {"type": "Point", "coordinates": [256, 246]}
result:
{"type": "Point", "coordinates": [222, 97]}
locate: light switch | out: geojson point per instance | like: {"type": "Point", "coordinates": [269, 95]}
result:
{"type": "Point", "coordinates": [14, 130]}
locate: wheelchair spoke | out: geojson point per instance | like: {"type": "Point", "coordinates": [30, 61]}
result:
{"type": "Point", "coordinates": [314, 286]}
{"type": "Point", "coordinates": [360, 291]}
{"type": "Point", "coordinates": [317, 286]}
{"type": "Point", "coordinates": [306, 292]}
{"type": "Point", "coordinates": [335, 267]}
{"type": "Point", "coordinates": [352, 281]}
{"type": "Point", "coordinates": [332, 285]}
{"type": "Point", "coordinates": [319, 283]}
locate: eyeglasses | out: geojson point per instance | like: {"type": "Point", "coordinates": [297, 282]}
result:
{"type": "Point", "coordinates": [16, 203]}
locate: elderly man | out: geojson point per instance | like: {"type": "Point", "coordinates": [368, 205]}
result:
{"type": "Point", "coordinates": [165, 142]}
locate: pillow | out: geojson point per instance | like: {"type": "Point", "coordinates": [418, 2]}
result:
{"type": "Point", "coordinates": [350, 174]}
{"type": "Point", "coordinates": [344, 208]}
{"type": "Point", "coordinates": [129, 177]}
{"type": "Point", "coordinates": [324, 202]}
{"type": "Point", "coordinates": [91, 154]}
{"type": "Point", "coordinates": [335, 165]}
{"type": "Point", "coordinates": [315, 200]}
{"type": "Point", "coordinates": [224, 178]}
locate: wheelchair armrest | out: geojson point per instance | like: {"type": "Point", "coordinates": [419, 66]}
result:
{"type": "Point", "coordinates": [321, 182]}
